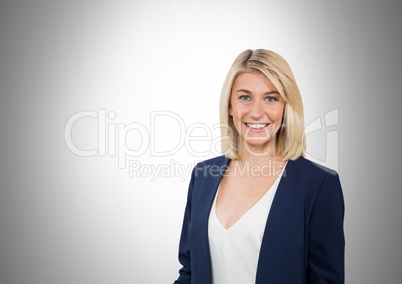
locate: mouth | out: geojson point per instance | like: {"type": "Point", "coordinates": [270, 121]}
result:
{"type": "Point", "coordinates": [256, 126]}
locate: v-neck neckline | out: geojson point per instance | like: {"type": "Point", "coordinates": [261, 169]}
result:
{"type": "Point", "coordinates": [252, 208]}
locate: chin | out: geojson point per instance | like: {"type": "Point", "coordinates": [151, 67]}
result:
{"type": "Point", "coordinates": [257, 143]}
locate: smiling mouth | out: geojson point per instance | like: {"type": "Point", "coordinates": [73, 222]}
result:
{"type": "Point", "coordinates": [256, 126]}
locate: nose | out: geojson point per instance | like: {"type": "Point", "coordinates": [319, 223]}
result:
{"type": "Point", "coordinates": [256, 111]}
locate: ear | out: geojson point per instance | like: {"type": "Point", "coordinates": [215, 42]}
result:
{"type": "Point", "coordinates": [230, 111]}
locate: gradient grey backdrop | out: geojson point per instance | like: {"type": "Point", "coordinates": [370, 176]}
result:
{"type": "Point", "coordinates": [70, 219]}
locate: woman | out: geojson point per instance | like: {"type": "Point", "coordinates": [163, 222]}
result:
{"type": "Point", "coordinates": [262, 213]}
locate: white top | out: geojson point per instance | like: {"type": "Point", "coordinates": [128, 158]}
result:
{"type": "Point", "coordinates": [235, 251]}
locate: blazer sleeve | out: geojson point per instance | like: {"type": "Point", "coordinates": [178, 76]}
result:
{"type": "Point", "coordinates": [184, 246]}
{"type": "Point", "coordinates": [326, 242]}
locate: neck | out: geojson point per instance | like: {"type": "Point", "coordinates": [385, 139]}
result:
{"type": "Point", "coordinates": [260, 165]}
{"type": "Point", "coordinates": [258, 154]}
{"type": "Point", "coordinates": [259, 160]}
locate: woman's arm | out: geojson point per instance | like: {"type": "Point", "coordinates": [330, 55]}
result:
{"type": "Point", "coordinates": [326, 258]}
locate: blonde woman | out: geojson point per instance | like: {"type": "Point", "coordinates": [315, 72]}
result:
{"type": "Point", "coordinates": [262, 213]}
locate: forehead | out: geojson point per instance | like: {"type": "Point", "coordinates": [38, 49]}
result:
{"type": "Point", "coordinates": [253, 81]}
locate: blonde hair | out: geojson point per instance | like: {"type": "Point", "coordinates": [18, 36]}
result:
{"type": "Point", "coordinates": [290, 141]}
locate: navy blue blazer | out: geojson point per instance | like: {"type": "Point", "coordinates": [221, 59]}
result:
{"type": "Point", "coordinates": [303, 240]}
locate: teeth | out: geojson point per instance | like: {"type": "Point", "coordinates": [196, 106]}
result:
{"type": "Point", "coordinates": [257, 125]}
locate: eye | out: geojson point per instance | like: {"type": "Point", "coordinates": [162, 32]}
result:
{"type": "Point", "coordinates": [271, 99]}
{"type": "Point", "coordinates": [244, 97]}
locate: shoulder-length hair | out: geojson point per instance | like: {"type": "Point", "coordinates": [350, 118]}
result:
{"type": "Point", "coordinates": [290, 141]}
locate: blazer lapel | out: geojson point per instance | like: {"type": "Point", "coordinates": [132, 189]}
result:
{"type": "Point", "coordinates": [282, 229]}
{"type": "Point", "coordinates": [209, 177]}
{"type": "Point", "coordinates": [208, 186]}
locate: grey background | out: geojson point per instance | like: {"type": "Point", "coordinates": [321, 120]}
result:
{"type": "Point", "coordinates": [71, 219]}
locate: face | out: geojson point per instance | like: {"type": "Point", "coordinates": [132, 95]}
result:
{"type": "Point", "coordinates": [257, 110]}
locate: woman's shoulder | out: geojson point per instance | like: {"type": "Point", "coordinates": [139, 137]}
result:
{"type": "Point", "coordinates": [312, 178]}
{"type": "Point", "coordinates": [211, 167]}
{"type": "Point", "coordinates": [218, 161]}
{"type": "Point", "coordinates": [306, 167]}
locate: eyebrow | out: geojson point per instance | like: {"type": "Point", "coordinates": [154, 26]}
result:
{"type": "Point", "coordinates": [249, 92]}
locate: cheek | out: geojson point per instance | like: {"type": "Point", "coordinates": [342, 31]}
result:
{"type": "Point", "coordinates": [238, 110]}
{"type": "Point", "coordinates": [232, 107]}
{"type": "Point", "coordinates": [277, 114]}
{"type": "Point", "coordinates": [235, 111]}
{"type": "Point", "coordinates": [236, 114]}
